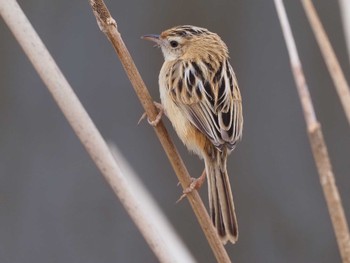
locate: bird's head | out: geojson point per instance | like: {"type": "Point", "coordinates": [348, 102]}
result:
{"type": "Point", "coordinates": [188, 42]}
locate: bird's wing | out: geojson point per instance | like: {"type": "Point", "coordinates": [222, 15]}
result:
{"type": "Point", "coordinates": [209, 96]}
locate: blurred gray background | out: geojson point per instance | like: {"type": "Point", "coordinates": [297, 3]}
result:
{"type": "Point", "coordinates": [56, 207]}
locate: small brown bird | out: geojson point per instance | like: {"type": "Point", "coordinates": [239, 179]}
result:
{"type": "Point", "coordinates": [200, 96]}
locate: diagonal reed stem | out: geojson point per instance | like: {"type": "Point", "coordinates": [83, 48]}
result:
{"type": "Point", "coordinates": [317, 142]}
{"type": "Point", "coordinates": [108, 25]}
{"type": "Point", "coordinates": [340, 83]}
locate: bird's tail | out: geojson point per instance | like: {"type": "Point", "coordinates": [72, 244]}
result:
{"type": "Point", "coordinates": [222, 209]}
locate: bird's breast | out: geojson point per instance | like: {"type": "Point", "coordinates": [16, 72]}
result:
{"type": "Point", "coordinates": [187, 132]}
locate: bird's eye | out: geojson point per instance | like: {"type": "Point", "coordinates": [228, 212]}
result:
{"type": "Point", "coordinates": [174, 43]}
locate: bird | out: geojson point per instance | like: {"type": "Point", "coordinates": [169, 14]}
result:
{"type": "Point", "coordinates": [200, 96]}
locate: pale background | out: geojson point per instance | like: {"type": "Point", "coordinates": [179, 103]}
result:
{"type": "Point", "coordinates": [56, 207]}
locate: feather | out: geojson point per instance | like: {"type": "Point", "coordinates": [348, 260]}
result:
{"type": "Point", "coordinates": [211, 100]}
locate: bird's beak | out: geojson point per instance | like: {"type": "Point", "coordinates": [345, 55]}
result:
{"type": "Point", "coordinates": [152, 37]}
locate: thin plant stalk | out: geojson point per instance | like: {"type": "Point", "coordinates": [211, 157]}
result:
{"type": "Point", "coordinates": [339, 80]}
{"type": "Point", "coordinates": [152, 223]}
{"type": "Point", "coordinates": [317, 142]}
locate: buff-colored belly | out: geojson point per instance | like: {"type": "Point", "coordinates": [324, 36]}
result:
{"type": "Point", "coordinates": [187, 132]}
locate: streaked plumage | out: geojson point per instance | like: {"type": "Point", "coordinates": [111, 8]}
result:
{"type": "Point", "coordinates": [201, 98]}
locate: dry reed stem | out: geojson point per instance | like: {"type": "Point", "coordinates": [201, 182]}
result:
{"type": "Point", "coordinates": [317, 142]}
{"type": "Point", "coordinates": [108, 25]}
{"type": "Point", "coordinates": [88, 134]}
{"type": "Point", "coordinates": [329, 56]}
{"type": "Point", "coordinates": [144, 210]}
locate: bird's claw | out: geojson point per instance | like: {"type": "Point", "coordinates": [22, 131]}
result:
{"type": "Point", "coordinates": [196, 184]}
{"type": "Point", "coordinates": [158, 117]}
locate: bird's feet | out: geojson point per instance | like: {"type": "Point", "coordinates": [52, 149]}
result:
{"type": "Point", "coordinates": [196, 184]}
{"type": "Point", "coordinates": [159, 115]}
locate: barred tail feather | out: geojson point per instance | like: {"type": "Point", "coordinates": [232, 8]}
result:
{"type": "Point", "coordinates": [222, 209]}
